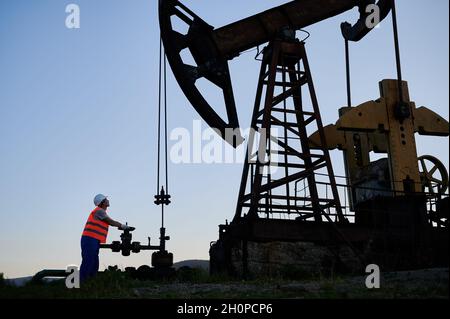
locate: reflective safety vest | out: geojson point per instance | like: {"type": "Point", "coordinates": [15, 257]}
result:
{"type": "Point", "coordinates": [96, 228]}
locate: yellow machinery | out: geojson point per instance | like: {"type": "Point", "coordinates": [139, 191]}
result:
{"type": "Point", "coordinates": [374, 127]}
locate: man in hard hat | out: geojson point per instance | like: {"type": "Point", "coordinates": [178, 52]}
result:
{"type": "Point", "coordinates": [95, 232]}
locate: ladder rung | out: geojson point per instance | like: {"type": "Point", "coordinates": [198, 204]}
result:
{"type": "Point", "coordinates": [309, 113]}
{"type": "Point", "coordinates": [281, 152]}
{"type": "Point", "coordinates": [288, 165]}
{"type": "Point", "coordinates": [288, 124]}
{"type": "Point", "coordinates": [296, 198]}
{"type": "Point", "coordinates": [293, 208]}
{"type": "Point", "coordinates": [290, 71]}
{"type": "Point", "coordinates": [278, 83]}
{"type": "Point", "coordinates": [283, 124]}
{"type": "Point", "coordinates": [276, 109]}
{"type": "Point", "coordinates": [311, 119]}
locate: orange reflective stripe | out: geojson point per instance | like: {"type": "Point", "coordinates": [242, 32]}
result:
{"type": "Point", "coordinates": [98, 225]}
{"type": "Point", "coordinates": [97, 229]}
{"type": "Point", "coordinates": [92, 218]}
{"type": "Point", "coordinates": [88, 233]}
{"type": "Point", "coordinates": [93, 231]}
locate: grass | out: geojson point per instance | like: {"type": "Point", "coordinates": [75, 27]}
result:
{"type": "Point", "coordinates": [105, 285]}
{"type": "Point", "coordinates": [193, 283]}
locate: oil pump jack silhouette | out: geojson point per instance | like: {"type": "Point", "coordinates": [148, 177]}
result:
{"type": "Point", "coordinates": [397, 212]}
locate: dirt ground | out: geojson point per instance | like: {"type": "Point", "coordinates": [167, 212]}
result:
{"type": "Point", "coordinates": [417, 284]}
{"type": "Point", "coordinates": [427, 283]}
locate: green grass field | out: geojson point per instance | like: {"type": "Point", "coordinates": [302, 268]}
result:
{"type": "Point", "coordinates": [197, 284]}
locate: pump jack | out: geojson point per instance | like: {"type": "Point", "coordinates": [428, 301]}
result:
{"type": "Point", "coordinates": [399, 214]}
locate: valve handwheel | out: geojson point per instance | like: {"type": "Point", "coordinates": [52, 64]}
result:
{"type": "Point", "coordinates": [433, 174]}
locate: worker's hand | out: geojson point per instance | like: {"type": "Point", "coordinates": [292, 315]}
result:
{"type": "Point", "coordinates": [126, 227]}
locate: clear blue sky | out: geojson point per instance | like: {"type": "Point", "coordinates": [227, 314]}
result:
{"type": "Point", "coordinates": [77, 117]}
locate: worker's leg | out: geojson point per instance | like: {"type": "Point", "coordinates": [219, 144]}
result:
{"type": "Point", "coordinates": [96, 265]}
{"type": "Point", "coordinates": [89, 253]}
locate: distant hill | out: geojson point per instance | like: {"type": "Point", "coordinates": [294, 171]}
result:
{"type": "Point", "coordinates": [22, 281]}
{"type": "Point", "coordinates": [19, 282]}
{"type": "Point", "coordinates": [193, 263]}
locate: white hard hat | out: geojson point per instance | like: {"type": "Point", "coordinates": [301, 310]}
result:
{"type": "Point", "coordinates": [98, 199]}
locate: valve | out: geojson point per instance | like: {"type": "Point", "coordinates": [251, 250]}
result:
{"type": "Point", "coordinates": [136, 247]}
{"type": "Point", "coordinates": [115, 246]}
{"type": "Point", "coordinates": [162, 198]}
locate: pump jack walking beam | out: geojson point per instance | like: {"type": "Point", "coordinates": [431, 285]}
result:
{"type": "Point", "coordinates": [212, 48]}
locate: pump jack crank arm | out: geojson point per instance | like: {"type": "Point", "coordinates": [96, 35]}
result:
{"type": "Point", "coordinates": [210, 65]}
{"type": "Point", "coordinates": [212, 49]}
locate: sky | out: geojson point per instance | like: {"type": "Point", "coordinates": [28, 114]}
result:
{"type": "Point", "coordinates": [78, 117]}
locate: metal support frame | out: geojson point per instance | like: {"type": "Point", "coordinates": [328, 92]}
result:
{"type": "Point", "coordinates": [284, 73]}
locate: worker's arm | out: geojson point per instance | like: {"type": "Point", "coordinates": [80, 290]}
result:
{"type": "Point", "coordinates": [112, 222]}
{"type": "Point", "coordinates": [101, 214]}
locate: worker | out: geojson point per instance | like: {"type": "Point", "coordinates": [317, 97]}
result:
{"type": "Point", "coordinates": [94, 233]}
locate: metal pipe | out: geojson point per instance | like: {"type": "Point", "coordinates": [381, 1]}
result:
{"type": "Point", "coordinates": [347, 71]}
{"type": "Point", "coordinates": [397, 51]}
{"type": "Point", "coordinates": [49, 273]}
{"type": "Point", "coordinates": [150, 247]}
